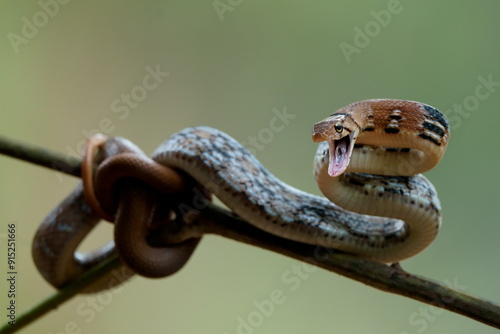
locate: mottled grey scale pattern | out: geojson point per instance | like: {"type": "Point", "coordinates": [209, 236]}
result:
{"type": "Point", "coordinates": [220, 163]}
{"type": "Point", "coordinates": [408, 188]}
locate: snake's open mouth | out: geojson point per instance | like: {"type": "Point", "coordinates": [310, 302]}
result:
{"type": "Point", "coordinates": [340, 154]}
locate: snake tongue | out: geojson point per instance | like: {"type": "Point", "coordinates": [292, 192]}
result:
{"type": "Point", "coordinates": [340, 154]}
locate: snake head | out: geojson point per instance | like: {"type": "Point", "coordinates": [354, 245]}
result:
{"type": "Point", "coordinates": [340, 131]}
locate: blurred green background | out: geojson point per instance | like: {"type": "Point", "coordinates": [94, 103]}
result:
{"type": "Point", "coordinates": [65, 67]}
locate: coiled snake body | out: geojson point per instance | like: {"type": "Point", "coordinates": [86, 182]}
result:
{"type": "Point", "coordinates": [369, 161]}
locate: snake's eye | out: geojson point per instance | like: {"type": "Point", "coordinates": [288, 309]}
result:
{"type": "Point", "coordinates": [338, 127]}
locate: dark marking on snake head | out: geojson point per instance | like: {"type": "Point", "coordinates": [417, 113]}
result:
{"type": "Point", "coordinates": [426, 137]}
{"type": "Point", "coordinates": [356, 182]}
{"type": "Point", "coordinates": [397, 149]}
{"type": "Point", "coordinates": [346, 115]}
{"type": "Point", "coordinates": [341, 114]}
{"type": "Point", "coordinates": [391, 130]}
{"type": "Point", "coordinates": [437, 115]}
{"type": "Point", "coordinates": [436, 129]}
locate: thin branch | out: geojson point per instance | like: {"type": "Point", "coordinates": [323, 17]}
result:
{"type": "Point", "coordinates": [378, 275]}
{"type": "Point", "coordinates": [40, 156]}
{"type": "Point", "coordinates": [222, 222]}
{"type": "Point", "coordinates": [61, 296]}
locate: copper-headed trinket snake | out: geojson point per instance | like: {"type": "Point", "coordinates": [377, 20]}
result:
{"type": "Point", "coordinates": [368, 163]}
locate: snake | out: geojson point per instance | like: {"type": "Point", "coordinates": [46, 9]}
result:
{"type": "Point", "coordinates": [376, 203]}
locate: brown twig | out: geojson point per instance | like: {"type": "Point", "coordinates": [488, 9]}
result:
{"type": "Point", "coordinates": [222, 222]}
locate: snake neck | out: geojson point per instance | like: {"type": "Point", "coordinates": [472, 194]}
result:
{"type": "Point", "coordinates": [410, 199]}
